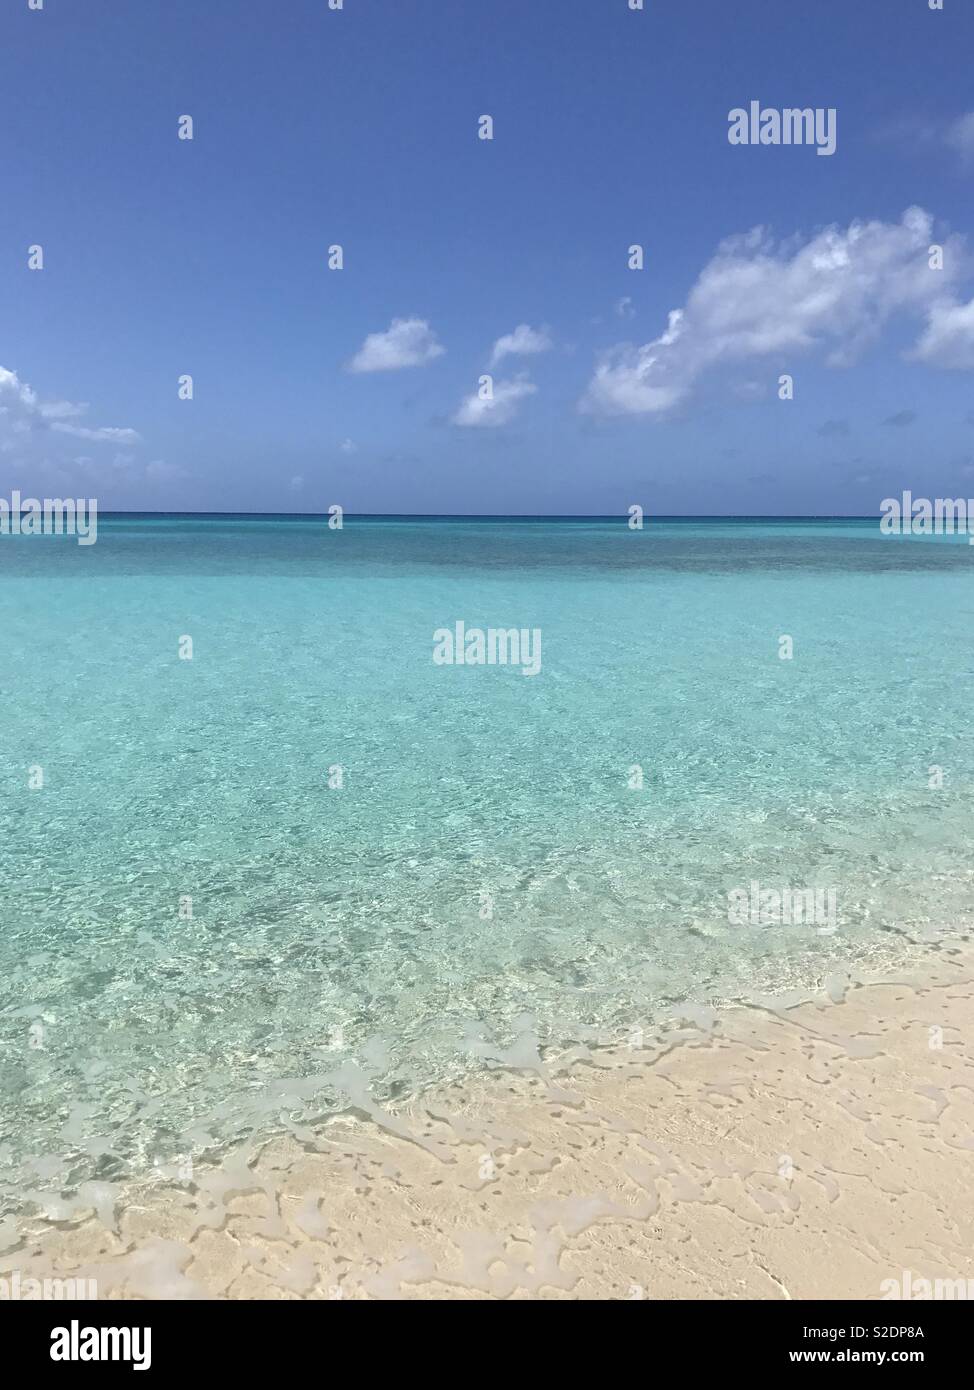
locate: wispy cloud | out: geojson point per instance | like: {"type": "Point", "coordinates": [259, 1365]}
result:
{"type": "Point", "coordinates": [38, 447]}
{"type": "Point", "coordinates": [960, 137]}
{"type": "Point", "coordinates": [502, 407]}
{"type": "Point", "coordinates": [159, 471]}
{"type": "Point", "coordinates": [106, 434]}
{"type": "Point", "coordinates": [27, 422]}
{"type": "Point", "coordinates": [919, 134]}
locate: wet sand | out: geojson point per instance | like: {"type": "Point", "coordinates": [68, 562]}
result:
{"type": "Point", "coordinates": [815, 1151]}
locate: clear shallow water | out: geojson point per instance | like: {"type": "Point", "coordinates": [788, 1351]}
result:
{"type": "Point", "coordinates": [129, 1035]}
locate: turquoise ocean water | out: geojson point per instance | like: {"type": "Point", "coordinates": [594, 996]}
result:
{"type": "Point", "coordinates": [485, 875]}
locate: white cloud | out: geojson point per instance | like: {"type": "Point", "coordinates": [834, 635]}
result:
{"type": "Point", "coordinates": [500, 409]}
{"type": "Point", "coordinates": [27, 423]}
{"type": "Point", "coordinates": [348, 446]}
{"type": "Point", "coordinates": [624, 309]}
{"type": "Point", "coordinates": [14, 391]}
{"type": "Point", "coordinates": [105, 435]}
{"type": "Point", "coordinates": [39, 450]}
{"type": "Point", "coordinates": [757, 299]}
{"type": "Point", "coordinates": [406, 343]}
{"type": "Point", "coordinates": [628, 380]}
{"type": "Point", "coordinates": [523, 342]}
{"type": "Point", "coordinates": [60, 410]}
{"type": "Point", "coordinates": [297, 482]}
{"type": "Point", "coordinates": [948, 339]}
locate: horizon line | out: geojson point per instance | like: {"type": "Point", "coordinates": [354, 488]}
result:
{"type": "Point", "coordinates": [515, 516]}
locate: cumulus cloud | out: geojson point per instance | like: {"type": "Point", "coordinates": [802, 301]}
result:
{"type": "Point", "coordinates": [633, 381]}
{"type": "Point", "coordinates": [405, 343]}
{"type": "Point", "coordinates": [756, 298]}
{"type": "Point", "coordinates": [523, 342]}
{"type": "Point", "coordinates": [624, 309]}
{"type": "Point", "coordinates": [27, 422]}
{"type": "Point", "coordinates": [948, 339]}
{"type": "Point", "coordinates": [503, 406]}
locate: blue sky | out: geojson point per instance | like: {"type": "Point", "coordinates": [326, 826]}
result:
{"type": "Point", "coordinates": [359, 127]}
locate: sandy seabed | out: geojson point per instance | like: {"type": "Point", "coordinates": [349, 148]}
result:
{"type": "Point", "coordinates": [813, 1151]}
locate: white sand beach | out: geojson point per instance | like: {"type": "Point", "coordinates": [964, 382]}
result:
{"type": "Point", "coordinates": [817, 1151]}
